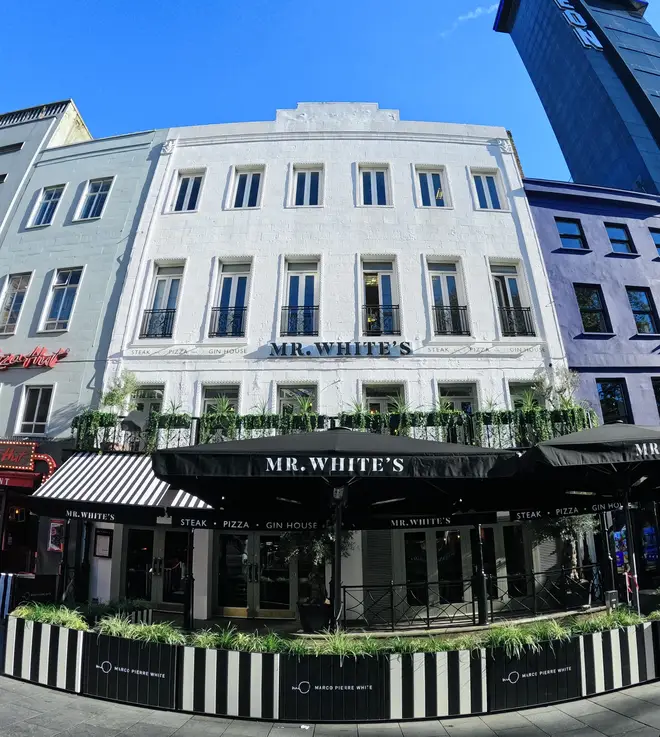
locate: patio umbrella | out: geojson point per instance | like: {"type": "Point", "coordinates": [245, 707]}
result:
{"type": "Point", "coordinates": [623, 458]}
{"type": "Point", "coordinates": [318, 467]}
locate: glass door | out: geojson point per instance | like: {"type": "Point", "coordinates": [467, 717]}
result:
{"type": "Point", "coordinates": [139, 562]}
{"type": "Point", "coordinates": [254, 578]}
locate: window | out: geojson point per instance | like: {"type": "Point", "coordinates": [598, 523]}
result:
{"type": "Point", "coordinates": [228, 318]}
{"type": "Point", "coordinates": [655, 234]}
{"type": "Point", "coordinates": [220, 398]}
{"type": "Point", "coordinates": [297, 399]}
{"type": "Point", "coordinates": [570, 233]}
{"type": "Point", "coordinates": [63, 295]}
{"type": "Point", "coordinates": [592, 308]}
{"type": "Point", "coordinates": [614, 402]}
{"type": "Point", "coordinates": [514, 555]}
{"type": "Point", "coordinates": [3, 178]}
{"type": "Point", "coordinates": [248, 189]}
{"type": "Point", "coordinates": [432, 190]}
{"type": "Point", "coordinates": [11, 148]}
{"type": "Point", "coordinates": [308, 185]}
{"type": "Point", "coordinates": [487, 194]}
{"type": "Point", "coordinates": [381, 314]}
{"type": "Point", "coordinates": [17, 285]}
{"type": "Point", "coordinates": [515, 320]}
{"type": "Point", "coordinates": [375, 186]}
{"type": "Point", "coordinates": [50, 199]}
{"type": "Point", "coordinates": [524, 396]}
{"type": "Point", "coordinates": [489, 556]}
{"type": "Point", "coordinates": [187, 192]}
{"type": "Point", "coordinates": [620, 238]}
{"type": "Point", "coordinates": [383, 398]}
{"type": "Point", "coordinates": [36, 404]}
{"type": "Point", "coordinates": [461, 397]}
{"type": "Point", "coordinates": [158, 322]}
{"type": "Point", "coordinates": [95, 198]}
{"type": "Point", "coordinates": [450, 315]}
{"type": "Point", "coordinates": [149, 399]}
{"type": "Point", "coordinates": [643, 309]}
{"type": "Point", "coordinates": [300, 316]}
{"type": "Point", "coordinates": [656, 392]}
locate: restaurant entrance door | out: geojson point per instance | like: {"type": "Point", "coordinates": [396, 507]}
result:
{"type": "Point", "coordinates": [254, 579]}
{"type": "Point", "coordinates": [155, 566]}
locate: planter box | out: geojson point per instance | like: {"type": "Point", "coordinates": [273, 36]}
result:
{"type": "Point", "coordinates": [535, 678]}
{"type": "Point", "coordinates": [424, 685]}
{"type": "Point", "coordinates": [130, 671]}
{"type": "Point", "coordinates": [44, 653]}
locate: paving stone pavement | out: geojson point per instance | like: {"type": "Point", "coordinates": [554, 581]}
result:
{"type": "Point", "coordinates": [27, 710]}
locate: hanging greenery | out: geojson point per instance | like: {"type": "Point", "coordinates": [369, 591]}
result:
{"type": "Point", "coordinates": [87, 428]}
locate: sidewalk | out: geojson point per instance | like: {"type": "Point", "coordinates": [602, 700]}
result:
{"type": "Point", "coordinates": [33, 711]}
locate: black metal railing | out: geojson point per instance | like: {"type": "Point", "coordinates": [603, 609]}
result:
{"type": "Point", "coordinates": [516, 321]}
{"type": "Point", "coordinates": [300, 321]}
{"type": "Point", "coordinates": [157, 324]}
{"type": "Point", "coordinates": [227, 321]}
{"type": "Point", "coordinates": [429, 603]}
{"type": "Point", "coordinates": [381, 320]}
{"type": "Point", "coordinates": [451, 321]}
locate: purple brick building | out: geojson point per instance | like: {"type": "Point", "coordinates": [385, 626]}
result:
{"type": "Point", "coordinates": [602, 253]}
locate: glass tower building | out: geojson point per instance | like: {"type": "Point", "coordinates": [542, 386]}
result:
{"type": "Point", "coordinates": [596, 67]}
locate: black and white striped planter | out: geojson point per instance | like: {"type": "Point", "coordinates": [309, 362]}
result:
{"type": "Point", "coordinates": [44, 653]}
{"type": "Point", "coordinates": [329, 688]}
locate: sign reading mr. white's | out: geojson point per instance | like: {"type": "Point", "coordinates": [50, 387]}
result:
{"type": "Point", "coordinates": [579, 25]}
{"type": "Point", "coordinates": [360, 466]}
{"type": "Point", "coordinates": [341, 349]}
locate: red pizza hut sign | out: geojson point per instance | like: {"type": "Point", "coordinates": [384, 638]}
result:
{"type": "Point", "coordinates": [17, 455]}
{"type": "Point", "coordinates": [39, 358]}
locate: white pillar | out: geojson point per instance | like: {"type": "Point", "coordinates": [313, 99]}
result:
{"type": "Point", "coordinates": [203, 574]}
{"type": "Point", "coordinates": [117, 588]}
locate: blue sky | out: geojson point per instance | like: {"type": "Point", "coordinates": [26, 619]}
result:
{"type": "Point", "coordinates": [137, 65]}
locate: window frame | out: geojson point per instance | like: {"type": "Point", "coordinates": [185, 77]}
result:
{"type": "Point", "coordinates": [23, 406]}
{"type": "Point", "coordinates": [453, 398]}
{"type": "Point", "coordinates": [224, 273]}
{"type": "Point", "coordinates": [206, 403]}
{"type": "Point", "coordinates": [626, 397]}
{"type": "Point", "coordinates": [297, 169]}
{"type": "Point", "coordinates": [444, 183]}
{"type": "Point", "coordinates": [655, 385]}
{"type": "Point", "coordinates": [524, 386]}
{"type": "Point", "coordinates": [632, 250]}
{"type": "Point", "coordinates": [32, 223]}
{"type": "Point", "coordinates": [603, 310]}
{"type": "Point", "coordinates": [499, 190]}
{"type": "Point", "coordinates": [179, 175]}
{"type": "Point", "coordinates": [250, 171]}
{"type": "Point", "coordinates": [300, 387]}
{"type": "Point", "coordinates": [581, 238]}
{"type": "Point", "coordinates": [83, 199]}
{"type": "Point", "coordinates": [4, 295]}
{"type": "Point", "coordinates": [374, 168]}
{"type": "Point", "coordinates": [652, 311]}
{"type": "Point", "coordinates": [381, 387]}
{"type": "Point", "coordinates": [49, 302]}
{"type": "Point", "coordinates": [653, 232]}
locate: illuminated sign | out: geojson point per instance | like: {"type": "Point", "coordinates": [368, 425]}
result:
{"type": "Point", "coordinates": [17, 455]}
{"type": "Point", "coordinates": [39, 358]}
{"type": "Point", "coordinates": [579, 25]}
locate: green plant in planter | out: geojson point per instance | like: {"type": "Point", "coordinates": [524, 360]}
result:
{"type": "Point", "coordinates": [221, 417]}
{"type": "Point", "coordinates": [60, 616]}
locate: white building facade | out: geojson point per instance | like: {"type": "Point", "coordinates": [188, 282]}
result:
{"type": "Point", "coordinates": [334, 257]}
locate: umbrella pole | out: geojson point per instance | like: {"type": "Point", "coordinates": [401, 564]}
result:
{"type": "Point", "coordinates": [630, 543]}
{"type": "Point", "coordinates": [336, 574]}
{"type": "Point", "coordinates": [608, 574]}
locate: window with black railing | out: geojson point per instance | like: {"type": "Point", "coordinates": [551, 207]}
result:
{"type": "Point", "coordinates": [516, 321]}
{"type": "Point", "coordinates": [381, 320]}
{"type": "Point", "coordinates": [300, 320]}
{"type": "Point", "coordinates": [451, 320]}
{"type": "Point", "coordinates": [227, 321]}
{"type": "Point", "coordinates": [157, 324]}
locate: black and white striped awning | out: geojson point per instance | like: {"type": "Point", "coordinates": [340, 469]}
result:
{"type": "Point", "coordinates": [114, 479]}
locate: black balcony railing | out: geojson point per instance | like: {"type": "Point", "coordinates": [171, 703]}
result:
{"type": "Point", "coordinates": [157, 324]}
{"type": "Point", "coordinates": [516, 321]}
{"type": "Point", "coordinates": [382, 320]}
{"type": "Point", "coordinates": [300, 320]}
{"type": "Point", "coordinates": [227, 321]}
{"type": "Point", "coordinates": [451, 321]}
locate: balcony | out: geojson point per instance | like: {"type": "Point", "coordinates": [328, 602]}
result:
{"type": "Point", "coordinates": [157, 324]}
{"type": "Point", "coordinates": [451, 321]}
{"type": "Point", "coordinates": [300, 321]}
{"type": "Point", "coordinates": [381, 320]}
{"type": "Point", "coordinates": [516, 321]}
{"type": "Point", "coordinates": [227, 321]}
